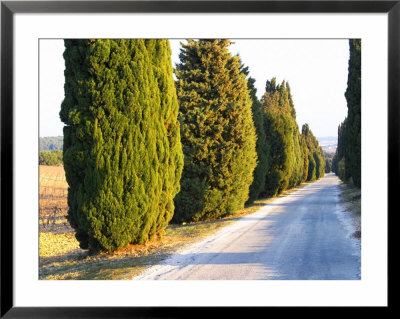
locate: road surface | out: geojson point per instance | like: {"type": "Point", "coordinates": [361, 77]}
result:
{"type": "Point", "coordinates": [304, 235]}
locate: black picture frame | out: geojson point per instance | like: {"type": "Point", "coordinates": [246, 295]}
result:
{"type": "Point", "coordinates": [9, 8]}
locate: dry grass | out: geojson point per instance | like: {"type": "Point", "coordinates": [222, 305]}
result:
{"type": "Point", "coordinates": [53, 245]}
{"type": "Point", "coordinates": [53, 207]}
{"type": "Point", "coordinates": [350, 197]}
{"type": "Point", "coordinates": [52, 176]}
{"type": "Point", "coordinates": [62, 259]}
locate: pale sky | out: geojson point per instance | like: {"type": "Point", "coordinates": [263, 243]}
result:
{"type": "Point", "coordinates": [315, 69]}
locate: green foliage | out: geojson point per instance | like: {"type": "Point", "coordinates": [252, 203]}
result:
{"type": "Point", "coordinates": [312, 168]}
{"type": "Point", "coordinates": [298, 163]}
{"type": "Point", "coordinates": [348, 152]}
{"type": "Point", "coordinates": [341, 169]}
{"type": "Point", "coordinates": [320, 162]}
{"type": "Point", "coordinates": [262, 145]}
{"type": "Point", "coordinates": [286, 168]}
{"type": "Point", "coordinates": [122, 155]}
{"type": "Point", "coordinates": [306, 159]}
{"type": "Point", "coordinates": [328, 155]}
{"type": "Point", "coordinates": [339, 154]}
{"type": "Point", "coordinates": [217, 129]}
{"type": "Point", "coordinates": [353, 129]}
{"type": "Point", "coordinates": [328, 165]}
{"type": "Point", "coordinates": [53, 157]}
{"type": "Point", "coordinates": [50, 143]}
{"type": "Point", "coordinates": [323, 162]}
{"type": "Point", "coordinates": [316, 156]}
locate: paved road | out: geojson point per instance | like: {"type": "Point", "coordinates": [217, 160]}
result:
{"type": "Point", "coordinates": [304, 235]}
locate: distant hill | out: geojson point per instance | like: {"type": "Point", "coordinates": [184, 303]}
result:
{"type": "Point", "coordinates": [50, 143]}
{"type": "Point", "coordinates": [328, 143]}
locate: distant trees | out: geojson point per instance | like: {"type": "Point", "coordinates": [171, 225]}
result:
{"type": "Point", "coordinates": [122, 151]}
{"type": "Point", "coordinates": [328, 162]}
{"type": "Point", "coordinates": [316, 156]}
{"type": "Point", "coordinates": [347, 161]}
{"type": "Point", "coordinates": [53, 157]}
{"type": "Point", "coordinates": [328, 165]}
{"type": "Point", "coordinates": [49, 143]}
{"type": "Point", "coordinates": [218, 133]}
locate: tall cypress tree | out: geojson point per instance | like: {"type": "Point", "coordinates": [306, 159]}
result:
{"type": "Point", "coordinates": [280, 127]}
{"type": "Point", "coordinates": [340, 170]}
{"type": "Point", "coordinates": [353, 125]}
{"type": "Point", "coordinates": [218, 133]}
{"type": "Point", "coordinates": [312, 168]}
{"type": "Point", "coordinates": [122, 156]}
{"type": "Point", "coordinates": [316, 156]}
{"type": "Point", "coordinates": [320, 162]}
{"type": "Point", "coordinates": [309, 142]}
{"type": "Point", "coordinates": [262, 146]}
{"type": "Point", "coordinates": [298, 163]}
{"type": "Point", "coordinates": [306, 161]}
{"type": "Point", "coordinates": [169, 140]}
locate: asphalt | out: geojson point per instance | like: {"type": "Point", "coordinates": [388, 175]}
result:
{"type": "Point", "coordinates": [302, 236]}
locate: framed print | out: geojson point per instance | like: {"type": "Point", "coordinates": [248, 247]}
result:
{"type": "Point", "coordinates": [75, 210]}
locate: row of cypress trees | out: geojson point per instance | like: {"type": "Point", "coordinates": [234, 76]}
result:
{"type": "Point", "coordinates": [347, 160]}
{"type": "Point", "coordinates": [141, 149]}
{"type": "Point", "coordinates": [291, 157]}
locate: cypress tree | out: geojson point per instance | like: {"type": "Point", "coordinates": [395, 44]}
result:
{"type": "Point", "coordinates": [312, 168]}
{"type": "Point", "coordinates": [320, 162]}
{"type": "Point", "coordinates": [328, 164]}
{"type": "Point", "coordinates": [323, 162]}
{"type": "Point", "coordinates": [280, 129]}
{"type": "Point", "coordinates": [122, 155]}
{"type": "Point", "coordinates": [316, 156]}
{"type": "Point", "coordinates": [353, 129]}
{"type": "Point", "coordinates": [298, 163]}
{"type": "Point", "coordinates": [262, 146]}
{"type": "Point", "coordinates": [217, 129]}
{"type": "Point", "coordinates": [334, 163]}
{"type": "Point", "coordinates": [340, 152]}
{"type": "Point", "coordinates": [306, 160]}
{"type": "Point", "coordinates": [169, 141]}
